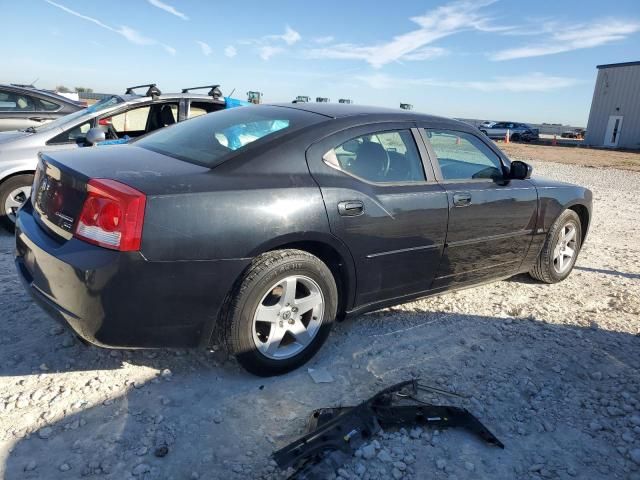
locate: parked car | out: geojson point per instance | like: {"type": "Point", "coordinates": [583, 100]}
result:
{"type": "Point", "coordinates": [258, 227]}
{"type": "Point", "coordinates": [487, 124]}
{"type": "Point", "coordinates": [577, 133]}
{"type": "Point", "coordinates": [517, 131]}
{"type": "Point", "coordinates": [26, 106]}
{"type": "Point", "coordinates": [121, 116]}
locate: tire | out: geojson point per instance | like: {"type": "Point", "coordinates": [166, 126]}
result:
{"type": "Point", "coordinates": [12, 190]}
{"type": "Point", "coordinates": [267, 285]}
{"type": "Point", "coordinates": [547, 266]}
{"type": "Point", "coordinates": [484, 132]}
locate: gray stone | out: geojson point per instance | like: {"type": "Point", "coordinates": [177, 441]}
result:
{"type": "Point", "coordinates": [140, 469]}
{"type": "Point", "coordinates": [368, 452]}
{"type": "Point", "coordinates": [635, 455]}
{"type": "Point", "coordinates": [45, 432]}
{"type": "Point", "coordinates": [384, 456]}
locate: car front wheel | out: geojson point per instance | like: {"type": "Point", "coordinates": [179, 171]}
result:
{"type": "Point", "coordinates": [13, 193]}
{"type": "Point", "coordinates": [560, 250]}
{"type": "Point", "coordinates": [281, 312]}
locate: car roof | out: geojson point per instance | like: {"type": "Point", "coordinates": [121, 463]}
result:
{"type": "Point", "coordinates": [42, 93]}
{"type": "Point", "coordinates": [341, 110]}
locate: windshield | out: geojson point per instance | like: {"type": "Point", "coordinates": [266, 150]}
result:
{"type": "Point", "coordinates": [210, 139]}
{"type": "Point", "coordinates": [95, 108]}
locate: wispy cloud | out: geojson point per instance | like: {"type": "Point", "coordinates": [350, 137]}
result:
{"type": "Point", "coordinates": [434, 25]}
{"type": "Point", "coordinates": [534, 82]}
{"type": "Point", "coordinates": [323, 40]}
{"type": "Point", "coordinates": [563, 38]}
{"type": "Point", "coordinates": [269, 45]}
{"type": "Point", "coordinates": [230, 51]}
{"type": "Point", "coordinates": [269, 51]}
{"type": "Point", "coordinates": [168, 8]}
{"type": "Point", "coordinates": [290, 36]}
{"type": "Point", "coordinates": [129, 33]}
{"type": "Point", "coordinates": [206, 49]}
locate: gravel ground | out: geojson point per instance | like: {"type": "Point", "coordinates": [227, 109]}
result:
{"type": "Point", "coordinates": [553, 371]}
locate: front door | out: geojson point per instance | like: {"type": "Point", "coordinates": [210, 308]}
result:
{"type": "Point", "coordinates": [612, 134]}
{"type": "Point", "coordinates": [381, 204]}
{"type": "Point", "coordinates": [491, 219]}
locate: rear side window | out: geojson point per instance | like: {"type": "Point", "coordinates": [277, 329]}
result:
{"type": "Point", "coordinates": [15, 102]}
{"type": "Point", "coordinates": [382, 157]}
{"type": "Point", "coordinates": [211, 139]}
{"type": "Point", "coordinates": [463, 156]}
{"type": "Point", "coordinates": [47, 106]}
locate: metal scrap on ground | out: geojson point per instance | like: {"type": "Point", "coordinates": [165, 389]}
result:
{"type": "Point", "coordinates": [334, 434]}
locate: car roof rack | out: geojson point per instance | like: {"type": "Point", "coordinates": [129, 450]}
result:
{"type": "Point", "coordinates": [152, 91]}
{"type": "Point", "coordinates": [215, 91]}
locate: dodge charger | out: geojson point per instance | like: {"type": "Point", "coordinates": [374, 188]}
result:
{"type": "Point", "coordinates": [256, 228]}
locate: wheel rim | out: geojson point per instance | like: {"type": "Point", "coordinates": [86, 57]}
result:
{"type": "Point", "coordinates": [15, 200]}
{"type": "Point", "coordinates": [566, 248]}
{"type": "Point", "coordinates": [288, 317]}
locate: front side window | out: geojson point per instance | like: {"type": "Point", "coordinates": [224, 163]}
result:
{"type": "Point", "coordinates": [75, 134]}
{"type": "Point", "coordinates": [463, 156]}
{"type": "Point", "coordinates": [209, 140]}
{"type": "Point", "coordinates": [384, 157]}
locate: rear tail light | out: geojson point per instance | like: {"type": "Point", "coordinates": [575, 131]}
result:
{"type": "Point", "coordinates": [112, 215]}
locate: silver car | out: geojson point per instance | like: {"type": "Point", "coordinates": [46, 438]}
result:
{"type": "Point", "coordinates": [115, 118]}
{"type": "Point", "coordinates": [517, 131]}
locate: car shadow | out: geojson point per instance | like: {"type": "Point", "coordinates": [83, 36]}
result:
{"type": "Point", "coordinates": [208, 418]}
{"type": "Point", "coordinates": [615, 273]}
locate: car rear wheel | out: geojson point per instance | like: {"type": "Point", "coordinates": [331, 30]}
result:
{"type": "Point", "coordinates": [281, 312]}
{"type": "Point", "coordinates": [13, 193]}
{"type": "Point", "coordinates": [560, 250]}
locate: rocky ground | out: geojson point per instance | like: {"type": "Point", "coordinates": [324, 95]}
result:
{"type": "Point", "coordinates": [552, 370]}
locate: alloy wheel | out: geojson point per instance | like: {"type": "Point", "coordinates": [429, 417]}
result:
{"type": "Point", "coordinates": [565, 249]}
{"type": "Point", "coordinates": [288, 317]}
{"type": "Point", "coordinates": [15, 200]}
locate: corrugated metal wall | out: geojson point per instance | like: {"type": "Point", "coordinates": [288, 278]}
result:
{"type": "Point", "coordinates": [616, 87]}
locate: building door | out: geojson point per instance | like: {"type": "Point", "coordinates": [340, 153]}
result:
{"type": "Point", "coordinates": [612, 134]}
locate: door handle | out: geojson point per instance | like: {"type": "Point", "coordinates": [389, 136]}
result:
{"type": "Point", "coordinates": [462, 199]}
{"type": "Point", "coordinates": [38, 119]}
{"type": "Point", "coordinates": [351, 208]}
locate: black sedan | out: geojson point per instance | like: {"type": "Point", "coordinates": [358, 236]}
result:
{"type": "Point", "coordinates": [257, 227]}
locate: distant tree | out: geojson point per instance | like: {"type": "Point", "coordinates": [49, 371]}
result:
{"type": "Point", "coordinates": [84, 90]}
{"type": "Point", "coordinates": [63, 89]}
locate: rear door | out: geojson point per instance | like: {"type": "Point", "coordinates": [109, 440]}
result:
{"type": "Point", "coordinates": [18, 111]}
{"type": "Point", "coordinates": [384, 205]}
{"type": "Point", "coordinates": [491, 219]}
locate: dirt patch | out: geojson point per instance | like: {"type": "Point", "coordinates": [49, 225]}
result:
{"type": "Point", "coordinates": [587, 157]}
{"type": "Point", "coordinates": [553, 371]}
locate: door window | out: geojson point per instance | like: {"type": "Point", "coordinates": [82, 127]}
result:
{"type": "Point", "coordinates": [76, 134]}
{"type": "Point", "coordinates": [463, 156]}
{"type": "Point", "coordinates": [197, 109]}
{"type": "Point", "coordinates": [14, 102]}
{"type": "Point", "coordinates": [134, 120]}
{"type": "Point", "coordinates": [384, 157]}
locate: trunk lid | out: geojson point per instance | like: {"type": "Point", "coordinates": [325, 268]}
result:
{"type": "Point", "coordinates": [60, 183]}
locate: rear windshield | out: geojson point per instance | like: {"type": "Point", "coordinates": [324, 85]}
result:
{"type": "Point", "coordinates": [210, 139]}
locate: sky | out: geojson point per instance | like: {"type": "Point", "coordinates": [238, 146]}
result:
{"type": "Point", "coordinates": [502, 60]}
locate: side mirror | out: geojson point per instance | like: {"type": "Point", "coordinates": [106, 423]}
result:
{"type": "Point", "coordinates": [95, 135]}
{"type": "Point", "coordinates": [520, 170]}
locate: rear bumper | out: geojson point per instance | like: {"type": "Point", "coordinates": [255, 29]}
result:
{"type": "Point", "coordinates": [119, 299]}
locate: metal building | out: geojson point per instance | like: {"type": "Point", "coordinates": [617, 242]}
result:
{"type": "Point", "coordinates": [614, 119]}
